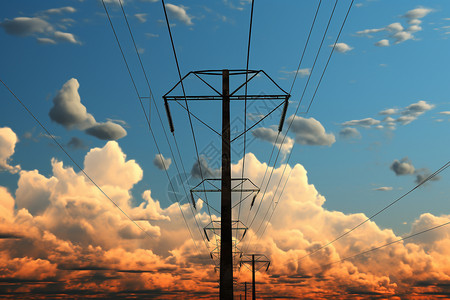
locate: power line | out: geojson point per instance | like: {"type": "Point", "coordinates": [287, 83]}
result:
{"type": "Point", "coordinates": [445, 166]}
{"type": "Point", "coordinates": [245, 105]}
{"type": "Point", "coordinates": [185, 99]}
{"type": "Point", "coordinates": [73, 161]}
{"type": "Point", "coordinates": [386, 245]}
{"type": "Point", "coordinates": [298, 106]}
{"type": "Point", "coordinates": [143, 109]}
{"type": "Point", "coordinates": [313, 97]}
{"type": "Point", "coordinates": [152, 98]}
{"type": "Point", "coordinates": [306, 45]}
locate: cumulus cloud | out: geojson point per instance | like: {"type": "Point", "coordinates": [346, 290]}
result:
{"type": "Point", "coordinates": [44, 32]}
{"type": "Point", "coordinates": [341, 47]}
{"type": "Point", "coordinates": [367, 122]}
{"type": "Point", "coordinates": [402, 36]}
{"type": "Point", "coordinates": [447, 113]}
{"type": "Point", "coordinates": [162, 163]}
{"type": "Point", "coordinates": [201, 168]}
{"type": "Point", "coordinates": [396, 31]}
{"type": "Point", "coordinates": [24, 26]}
{"type": "Point", "coordinates": [310, 132]}
{"type": "Point", "coordinates": [65, 37]}
{"type": "Point", "coordinates": [402, 167]}
{"type": "Point", "coordinates": [423, 174]}
{"type": "Point", "coordinates": [103, 165]}
{"type": "Point", "coordinates": [68, 111]}
{"type": "Point", "coordinates": [389, 111]}
{"type": "Point", "coordinates": [349, 132]}
{"type": "Point", "coordinates": [6, 204]}
{"type": "Point", "coordinates": [270, 135]}
{"type": "Point", "coordinates": [76, 237]}
{"type": "Point", "coordinates": [395, 27]}
{"type": "Point", "coordinates": [382, 43]}
{"type": "Point", "coordinates": [394, 116]}
{"type": "Point", "coordinates": [107, 131]}
{"type": "Point", "coordinates": [417, 13]}
{"type": "Point", "coordinates": [8, 141]}
{"type": "Point", "coordinates": [405, 167]}
{"type": "Point", "coordinates": [413, 111]}
{"type": "Point", "coordinates": [179, 13]}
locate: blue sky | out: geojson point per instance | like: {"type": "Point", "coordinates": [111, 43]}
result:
{"type": "Point", "coordinates": [377, 126]}
{"type": "Point", "coordinates": [361, 81]}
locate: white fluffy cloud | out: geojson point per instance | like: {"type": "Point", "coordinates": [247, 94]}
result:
{"type": "Point", "coordinates": [68, 111]}
{"type": "Point", "coordinates": [389, 111]}
{"type": "Point", "coordinates": [162, 163]}
{"type": "Point", "coordinates": [179, 13]}
{"type": "Point", "coordinates": [310, 132]}
{"type": "Point", "coordinates": [8, 141]}
{"type": "Point", "coordinates": [341, 47]}
{"type": "Point", "coordinates": [417, 13]}
{"type": "Point", "coordinates": [65, 37]}
{"type": "Point", "coordinates": [103, 165]}
{"type": "Point", "coordinates": [40, 28]}
{"type": "Point", "coordinates": [382, 43]}
{"type": "Point", "coordinates": [402, 167]}
{"type": "Point", "coordinates": [394, 116]}
{"type": "Point", "coordinates": [349, 132]}
{"type": "Point", "coordinates": [270, 135]}
{"type": "Point", "coordinates": [396, 31]}
{"type": "Point", "coordinates": [72, 235]}
{"type": "Point", "coordinates": [413, 111]}
{"type": "Point", "coordinates": [24, 26]}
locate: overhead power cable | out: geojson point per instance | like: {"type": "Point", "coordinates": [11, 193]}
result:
{"type": "Point", "coordinates": [385, 245]}
{"type": "Point", "coordinates": [445, 166]}
{"type": "Point", "coordinates": [145, 113]}
{"type": "Point", "coordinates": [245, 106]}
{"type": "Point", "coordinates": [152, 99]}
{"type": "Point", "coordinates": [298, 106]}
{"type": "Point", "coordinates": [186, 104]}
{"type": "Point", "coordinates": [73, 161]}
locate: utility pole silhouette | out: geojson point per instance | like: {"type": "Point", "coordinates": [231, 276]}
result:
{"type": "Point", "coordinates": [226, 249]}
{"type": "Point", "coordinates": [245, 290]}
{"type": "Point", "coordinates": [256, 259]}
{"type": "Point", "coordinates": [226, 189]}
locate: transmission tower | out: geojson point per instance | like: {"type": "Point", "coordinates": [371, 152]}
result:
{"type": "Point", "coordinates": [227, 247]}
{"type": "Point", "coordinates": [257, 261]}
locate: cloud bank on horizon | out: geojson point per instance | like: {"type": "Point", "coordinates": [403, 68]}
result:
{"type": "Point", "coordinates": [60, 230]}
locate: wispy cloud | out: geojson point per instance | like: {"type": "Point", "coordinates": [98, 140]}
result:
{"type": "Point", "coordinates": [179, 13]}
{"type": "Point", "coordinates": [396, 32]}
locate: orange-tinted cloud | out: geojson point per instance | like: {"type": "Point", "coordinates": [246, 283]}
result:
{"type": "Point", "coordinates": [60, 234]}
